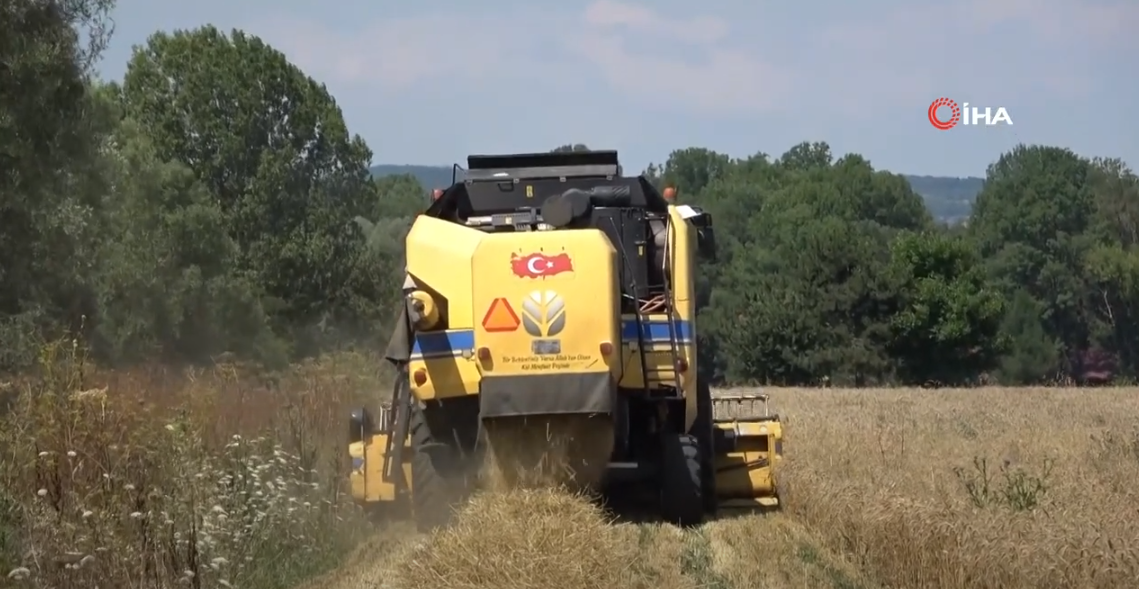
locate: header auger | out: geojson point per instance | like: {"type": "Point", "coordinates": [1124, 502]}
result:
{"type": "Point", "coordinates": [550, 314]}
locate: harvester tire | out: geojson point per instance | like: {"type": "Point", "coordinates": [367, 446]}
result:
{"type": "Point", "coordinates": [704, 429]}
{"type": "Point", "coordinates": [430, 500]}
{"type": "Point", "coordinates": [681, 496]}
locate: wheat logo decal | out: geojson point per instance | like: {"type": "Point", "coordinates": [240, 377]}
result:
{"type": "Point", "coordinates": [544, 313]}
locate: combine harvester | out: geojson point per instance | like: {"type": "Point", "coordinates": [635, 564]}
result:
{"type": "Point", "coordinates": [549, 296]}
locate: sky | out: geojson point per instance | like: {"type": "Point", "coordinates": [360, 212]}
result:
{"type": "Point", "coordinates": [431, 81]}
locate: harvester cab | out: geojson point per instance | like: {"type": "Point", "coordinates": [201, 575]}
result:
{"type": "Point", "coordinates": [549, 325]}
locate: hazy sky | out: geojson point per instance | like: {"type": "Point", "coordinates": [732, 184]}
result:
{"type": "Point", "coordinates": [430, 84]}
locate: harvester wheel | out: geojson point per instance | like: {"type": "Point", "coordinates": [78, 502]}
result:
{"type": "Point", "coordinates": [430, 502]}
{"type": "Point", "coordinates": [681, 497]}
{"type": "Point", "coordinates": [704, 430]}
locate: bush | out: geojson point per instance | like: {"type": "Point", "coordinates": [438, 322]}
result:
{"type": "Point", "coordinates": [128, 485]}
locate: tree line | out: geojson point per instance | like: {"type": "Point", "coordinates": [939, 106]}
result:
{"type": "Point", "coordinates": [213, 202]}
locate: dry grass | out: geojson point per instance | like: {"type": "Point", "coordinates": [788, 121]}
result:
{"type": "Point", "coordinates": [213, 479]}
{"type": "Point", "coordinates": [157, 478]}
{"type": "Point", "coordinates": [532, 538]}
{"type": "Point", "coordinates": [1010, 488]}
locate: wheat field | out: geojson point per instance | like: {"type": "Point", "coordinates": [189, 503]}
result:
{"type": "Point", "coordinates": [994, 487]}
{"type": "Point", "coordinates": [217, 478]}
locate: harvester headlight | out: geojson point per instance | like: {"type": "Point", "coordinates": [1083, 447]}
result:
{"type": "Point", "coordinates": [424, 311]}
{"type": "Point", "coordinates": [420, 377]}
{"type": "Point", "coordinates": [606, 348]}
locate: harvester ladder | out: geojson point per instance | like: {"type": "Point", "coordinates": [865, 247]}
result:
{"type": "Point", "coordinates": [642, 321]}
{"type": "Point", "coordinates": [673, 329]}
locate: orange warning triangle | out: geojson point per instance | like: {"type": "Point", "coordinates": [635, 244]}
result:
{"type": "Point", "coordinates": [500, 316]}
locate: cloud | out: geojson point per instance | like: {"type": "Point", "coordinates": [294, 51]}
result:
{"type": "Point", "coordinates": [400, 54]}
{"type": "Point", "coordinates": [701, 61]}
{"type": "Point", "coordinates": [994, 49]}
{"type": "Point", "coordinates": [1106, 23]}
{"type": "Point", "coordinates": [394, 54]}
{"type": "Point", "coordinates": [721, 81]}
{"type": "Point", "coordinates": [701, 30]}
{"type": "Point", "coordinates": [718, 79]}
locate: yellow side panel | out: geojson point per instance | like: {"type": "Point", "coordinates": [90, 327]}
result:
{"type": "Point", "coordinates": [448, 358]}
{"type": "Point", "coordinates": [439, 255]}
{"type": "Point", "coordinates": [367, 476]}
{"type": "Point", "coordinates": [682, 260]}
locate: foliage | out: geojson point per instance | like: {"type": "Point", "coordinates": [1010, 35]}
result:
{"type": "Point", "coordinates": [213, 202]}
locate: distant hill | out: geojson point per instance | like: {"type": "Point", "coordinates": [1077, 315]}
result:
{"type": "Point", "coordinates": [949, 199]}
{"type": "Point", "coordinates": [429, 177]}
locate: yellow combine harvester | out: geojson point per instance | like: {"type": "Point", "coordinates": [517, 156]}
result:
{"type": "Point", "coordinates": [550, 301]}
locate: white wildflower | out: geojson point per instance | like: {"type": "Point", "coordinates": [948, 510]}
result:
{"type": "Point", "coordinates": [71, 454]}
{"type": "Point", "coordinates": [42, 492]}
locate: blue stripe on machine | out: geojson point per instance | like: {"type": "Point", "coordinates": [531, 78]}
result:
{"type": "Point", "coordinates": [443, 343]}
{"type": "Point", "coordinates": [449, 343]}
{"type": "Point", "coordinates": [655, 331]}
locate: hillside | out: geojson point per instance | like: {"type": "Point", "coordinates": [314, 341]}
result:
{"type": "Point", "coordinates": [948, 198]}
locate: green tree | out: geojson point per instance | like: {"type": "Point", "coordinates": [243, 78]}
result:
{"type": "Point", "coordinates": [1032, 223]}
{"type": "Point", "coordinates": [691, 170]}
{"type": "Point", "coordinates": [570, 148]}
{"type": "Point", "coordinates": [51, 129]}
{"type": "Point", "coordinates": [807, 262]}
{"type": "Point", "coordinates": [168, 284]}
{"type": "Point", "coordinates": [270, 144]}
{"type": "Point", "coordinates": [947, 327]}
{"type": "Point", "coordinates": [1032, 356]}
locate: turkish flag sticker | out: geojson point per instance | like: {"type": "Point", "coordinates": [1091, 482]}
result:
{"type": "Point", "coordinates": [539, 265]}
